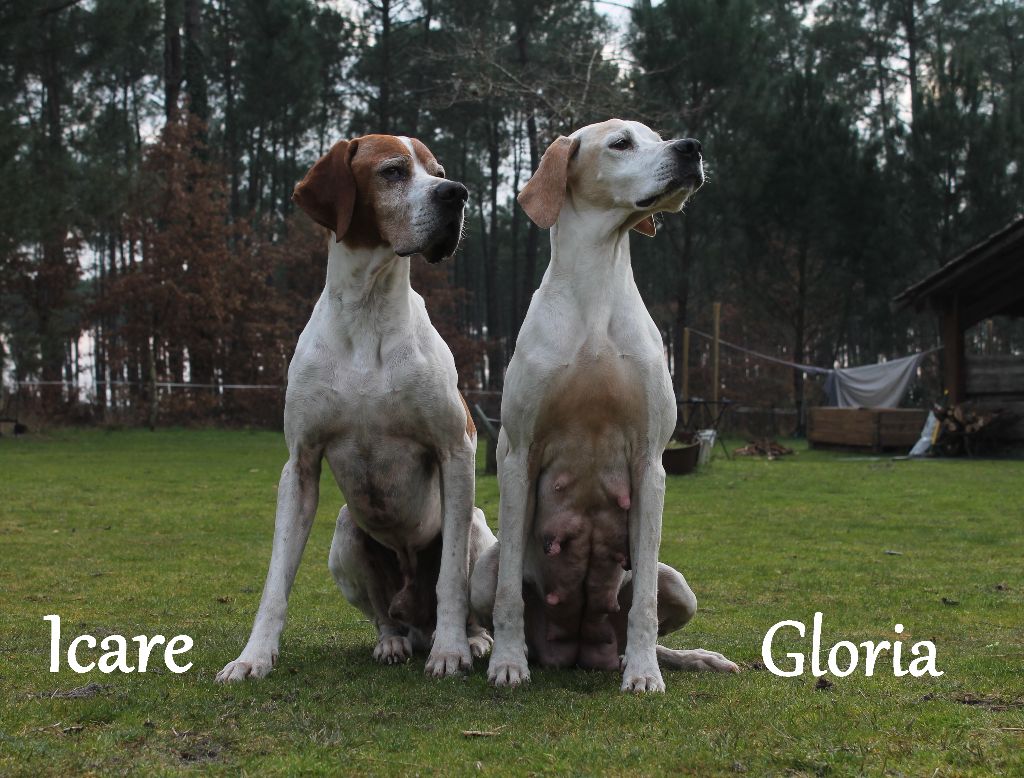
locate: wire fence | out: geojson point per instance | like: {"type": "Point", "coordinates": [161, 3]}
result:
{"type": "Point", "coordinates": [760, 390]}
{"type": "Point", "coordinates": [36, 403]}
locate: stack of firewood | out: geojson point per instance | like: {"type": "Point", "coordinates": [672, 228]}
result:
{"type": "Point", "coordinates": [763, 447]}
{"type": "Point", "coordinates": [965, 431]}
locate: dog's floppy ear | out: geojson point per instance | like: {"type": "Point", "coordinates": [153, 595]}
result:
{"type": "Point", "coordinates": [328, 192]}
{"type": "Point", "coordinates": [544, 193]}
{"type": "Point", "coordinates": [646, 226]}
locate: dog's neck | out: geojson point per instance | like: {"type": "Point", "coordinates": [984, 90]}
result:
{"type": "Point", "coordinates": [369, 286]}
{"type": "Point", "coordinates": [590, 261]}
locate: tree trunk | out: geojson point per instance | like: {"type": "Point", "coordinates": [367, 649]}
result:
{"type": "Point", "coordinates": [799, 345]}
{"type": "Point", "coordinates": [56, 275]}
{"type": "Point", "coordinates": [428, 15]}
{"type": "Point", "coordinates": [230, 117]}
{"type": "Point", "coordinates": [172, 58]}
{"type": "Point", "coordinates": [154, 401]}
{"type": "Point", "coordinates": [195, 67]}
{"type": "Point", "coordinates": [255, 161]}
{"type": "Point", "coordinates": [910, 30]}
{"type": "Point", "coordinates": [532, 247]}
{"type": "Point", "coordinates": [515, 318]}
{"type": "Point", "coordinates": [532, 231]}
{"type": "Point", "coordinates": [496, 356]}
{"type": "Point", "coordinates": [384, 99]}
{"type": "Point", "coordinates": [682, 318]}
{"type": "Point", "coordinates": [881, 84]}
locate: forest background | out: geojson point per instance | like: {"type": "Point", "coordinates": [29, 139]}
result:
{"type": "Point", "coordinates": [151, 259]}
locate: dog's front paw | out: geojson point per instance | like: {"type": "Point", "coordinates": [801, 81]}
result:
{"type": "Point", "coordinates": [448, 658]}
{"type": "Point", "coordinates": [251, 664]}
{"type": "Point", "coordinates": [393, 650]}
{"type": "Point", "coordinates": [480, 643]}
{"type": "Point", "coordinates": [642, 674]}
{"type": "Point", "coordinates": [508, 669]}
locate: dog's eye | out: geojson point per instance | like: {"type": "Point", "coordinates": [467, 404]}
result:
{"type": "Point", "coordinates": [621, 144]}
{"type": "Point", "coordinates": [393, 173]}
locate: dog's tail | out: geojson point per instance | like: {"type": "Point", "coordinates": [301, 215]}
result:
{"type": "Point", "coordinates": [694, 659]}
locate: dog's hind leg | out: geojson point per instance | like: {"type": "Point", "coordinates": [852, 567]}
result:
{"type": "Point", "coordinates": [677, 604]}
{"type": "Point", "coordinates": [367, 574]}
{"type": "Point", "coordinates": [482, 585]}
{"type": "Point", "coordinates": [694, 659]}
{"type": "Point", "coordinates": [483, 548]}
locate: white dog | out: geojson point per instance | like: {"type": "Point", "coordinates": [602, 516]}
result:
{"type": "Point", "coordinates": [373, 389]}
{"type": "Point", "coordinates": [586, 413]}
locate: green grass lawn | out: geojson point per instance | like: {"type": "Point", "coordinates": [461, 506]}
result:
{"type": "Point", "coordinates": [134, 532]}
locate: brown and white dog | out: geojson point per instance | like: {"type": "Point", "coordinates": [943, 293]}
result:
{"type": "Point", "coordinates": [586, 413]}
{"type": "Point", "coordinates": [373, 389]}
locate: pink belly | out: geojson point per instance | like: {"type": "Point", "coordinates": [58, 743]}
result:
{"type": "Point", "coordinates": [581, 530]}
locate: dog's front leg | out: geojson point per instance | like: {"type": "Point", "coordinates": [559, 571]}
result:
{"type": "Point", "coordinates": [297, 495]}
{"type": "Point", "coordinates": [641, 672]}
{"type": "Point", "coordinates": [508, 665]}
{"type": "Point", "coordinates": [450, 652]}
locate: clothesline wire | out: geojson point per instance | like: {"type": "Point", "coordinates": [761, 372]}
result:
{"type": "Point", "coordinates": [776, 360]}
{"type": "Point", "coordinates": [159, 384]}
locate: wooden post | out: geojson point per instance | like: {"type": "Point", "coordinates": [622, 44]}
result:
{"type": "Point", "coordinates": [491, 434]}
{"type": "Point", "coordinates": [953, 352]}
{"type": "Point", "coordinates": [714, 357]}
{"type": "Point", "coordinates": [154, 401]}
{"type": "Point", "coordinates": [685, 367]}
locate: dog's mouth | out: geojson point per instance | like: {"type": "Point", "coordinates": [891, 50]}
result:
{"type": "Point", "coordinates": [445, 244]}
{"type": "Point", "coordinates": [691, 180]}
{"type": "Point", "coordinates": [439, 244]}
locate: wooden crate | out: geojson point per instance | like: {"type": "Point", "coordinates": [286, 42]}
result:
{"type": "Point", "coordinates": [865, 428]}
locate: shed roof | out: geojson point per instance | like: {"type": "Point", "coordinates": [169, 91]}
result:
{"type": "Point", "coordinates": [986, 280]}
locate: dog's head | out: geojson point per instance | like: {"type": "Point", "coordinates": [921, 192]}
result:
{"type": "Point", "coordinates": [382, 190]}
{"type": "Point", "coordinates": [621, 167]}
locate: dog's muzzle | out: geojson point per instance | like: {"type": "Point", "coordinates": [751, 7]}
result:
{"type": "Point", "coordinates": [688, 174]}
{"type": "Point", "coordinates": [451, 198]}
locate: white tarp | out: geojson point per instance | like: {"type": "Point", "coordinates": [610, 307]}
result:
{"type": "Point", "coordinates": [924, 444]}
{"type": "Point", "coordinates": [881, 385]}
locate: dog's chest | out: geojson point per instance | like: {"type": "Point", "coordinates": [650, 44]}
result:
{"type": "Point", "coordinates": [370, 393]}
{"type": "Point", "coordinates": [599, 389]}
{"type": "Point", "coordinates": [382, 412]}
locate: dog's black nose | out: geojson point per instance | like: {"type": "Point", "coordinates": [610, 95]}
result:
{"type": "Point", "coordinates": [688, 147]}
{"type": "Point", "coordinates": [451, 192]}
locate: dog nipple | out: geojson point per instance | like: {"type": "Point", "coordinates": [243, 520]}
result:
{"type": "Point", "coordinates": [624, 502]}
{"type": "Point", "coordinates": [552, 546]}
{"type": "Point", "coordinates": [611, 604]}
{"type": "Point", "coordinates": [552, 599]}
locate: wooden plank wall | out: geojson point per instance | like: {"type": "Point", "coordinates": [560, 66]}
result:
{"type": "Point", "coordinates": [995, 374]}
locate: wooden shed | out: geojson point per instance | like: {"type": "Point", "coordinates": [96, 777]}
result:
{"type": "Point", "coordinates": [986, 280]}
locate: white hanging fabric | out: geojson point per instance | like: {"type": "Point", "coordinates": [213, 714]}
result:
{"type": "Point", "coordinates": [881, 385]}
